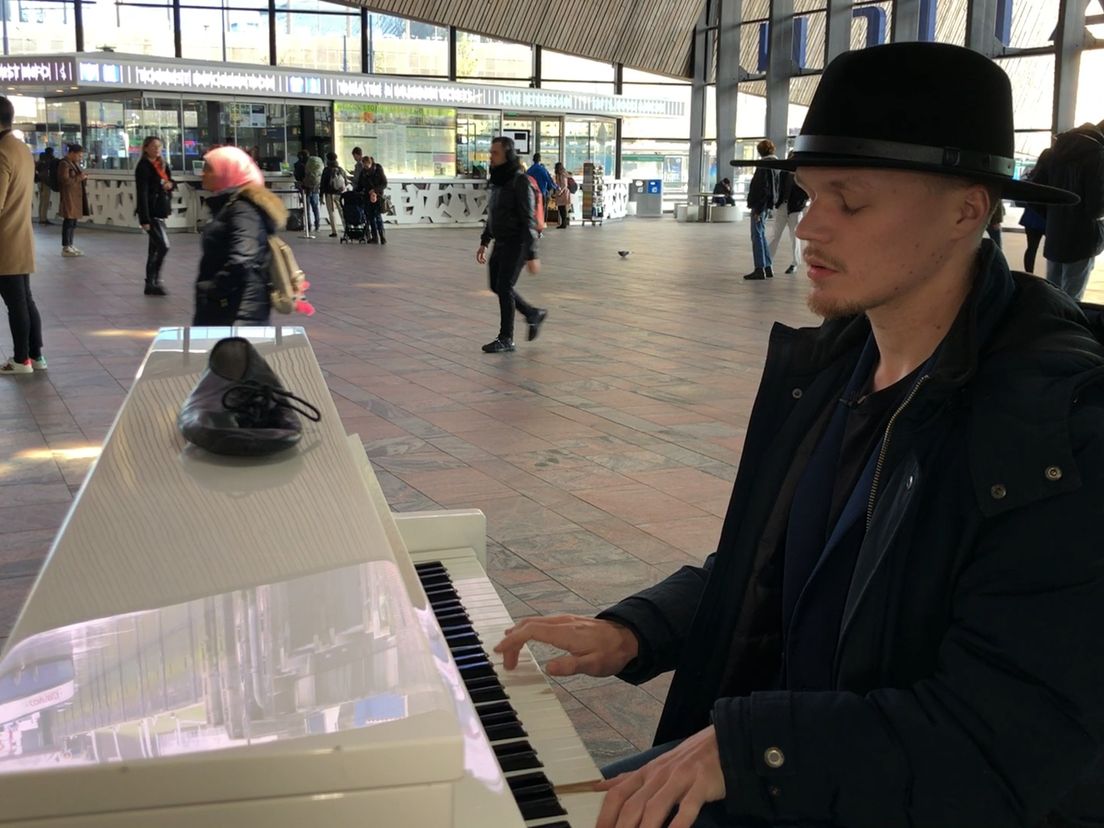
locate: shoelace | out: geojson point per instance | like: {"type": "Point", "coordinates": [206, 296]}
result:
{"type": "Point", "coordinates": [256, 399]}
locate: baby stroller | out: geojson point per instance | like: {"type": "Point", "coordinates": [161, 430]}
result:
{"type": "Point", "coordinates": [354, 218]}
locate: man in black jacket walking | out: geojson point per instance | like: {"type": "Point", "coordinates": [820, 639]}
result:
{"type": "Point", "coordinates": [512, 223]}
{"type": "Point", "coordinates": [901, 624]}
{"type": "Point", "coordinates": [761, 198]}
{"type": "Point", "coordinates": [1074, 234]}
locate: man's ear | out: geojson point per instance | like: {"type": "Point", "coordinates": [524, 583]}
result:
{"type": "Point", "coordinates": [973, 208]}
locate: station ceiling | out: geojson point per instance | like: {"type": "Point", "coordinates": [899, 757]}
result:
{"type": "Point", "coordinates": [650, 35]}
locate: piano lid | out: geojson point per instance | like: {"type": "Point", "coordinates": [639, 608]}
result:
{"type": "Point", "coordinates": [318, 684]}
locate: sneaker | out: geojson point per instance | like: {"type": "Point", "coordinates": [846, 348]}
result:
{"type": "Point", "coordinates": [77, 251]}
{"type": "Point", "coordinates": [499, 346]}
{"type": "Point", "coordinates": [535, 321]}
{"type": "Point", "coordinates": [156, 290]}
{"type": "Point", "coordinates": [13, 367]}
{"type": "Point", "coordinates": [333, 235]}
{"type": "Point", "coordinates": [791, 270]}
{"type": "Point", "coordinates": [69, 252]}
{"type": "Point", "coordinates": [755, 274]}
{"type": "Point", "coordinates": [39, 364]}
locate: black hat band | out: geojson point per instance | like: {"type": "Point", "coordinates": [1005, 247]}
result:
{"type": "Point", "coordinates": [955, 160]}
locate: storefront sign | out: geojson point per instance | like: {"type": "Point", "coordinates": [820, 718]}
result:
{"type": "Point", "coordinates": [51, 697]}
{"type": "Point", "coordinates": [36, 71]}
{"type": "Point", "coordinates": [112, 71]}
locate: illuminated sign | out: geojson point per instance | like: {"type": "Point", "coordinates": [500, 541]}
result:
{"type": "Point", "coordinates": [40, 70]}
{"type": "Point", "coordinates": [145, 75]}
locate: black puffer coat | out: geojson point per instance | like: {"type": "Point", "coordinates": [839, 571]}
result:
{"type": "Point", "coordinates": [233, 283]}
{"type": "Point", "coordinates": [153, 201]}
{"type": "Point", "coordinates": [1075, 162]}
{"type": "Point", "coordinates": [968, 682]}
{"type": "Point", "coordinates": [511, 210]}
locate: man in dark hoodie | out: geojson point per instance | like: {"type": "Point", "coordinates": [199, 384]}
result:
{"type": "Point", "coordinates": [1074, 234]}
{"type": "Point", "coordinates": [512, 223]}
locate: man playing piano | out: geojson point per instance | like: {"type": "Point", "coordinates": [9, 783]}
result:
{"type": "Point", "coordinates": [903, 623]}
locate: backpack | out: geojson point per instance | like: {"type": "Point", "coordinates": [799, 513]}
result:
{"type": "Point", "coordinates": [286, 281]}
{"type": "Point", "coordinates": [330, 181]}
{"type": "Point", "coordinates": [538, 203]}
{"type": "Point", "coordinates": [52, 175]}
{"type": "Point", "coordinates": [287, 284]}
{"type": "Point", "coordinates": [572, 187]}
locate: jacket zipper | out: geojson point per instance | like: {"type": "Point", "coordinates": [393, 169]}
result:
{"type": "Point", "coordinates": [885, 448]}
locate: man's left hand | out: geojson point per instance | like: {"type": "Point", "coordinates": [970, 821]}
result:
{"type": "Point", "coordinates": [686, 777]}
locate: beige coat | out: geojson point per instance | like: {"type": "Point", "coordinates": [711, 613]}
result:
{"type": "Point", "coordinates": [72, 189]}
{"type": "Point", "coordinates": [16, 192]}
{"type": "Point", "coordinates": [563, 195]}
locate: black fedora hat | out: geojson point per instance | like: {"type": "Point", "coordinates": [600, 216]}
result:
{"type": "Point", "coordinates": [928, 107]}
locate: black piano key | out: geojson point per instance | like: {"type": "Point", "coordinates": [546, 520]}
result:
{"type": "Point", "coordinates": [428, 565]}
{"type": "Point", "coordinates": [471, 658]}
{"type": "Point", "coordinates": [454, 619]}
{"type": "Point", "coordinates": [558, 824]}
{"type": "Point", "coordinates": [541, 808]}
{"type": "Point", "coordinates": [480, 682]}
{"type": "Point", "coordinates": [486, 694]}
{"type": "Point", "coordinates": [438, 592]}
{"type": "Point", "coordinates": [475, 670]}
{"type": "Point", "coordinates": [509, 730]}
{"type": "Point", "coordinates": [492, 709]}
{"type": "Point", "coordinates": [463, 639]}
{"type": "Point", "coordinates": [528, 780]}
{"type": "Point", "coordinates": [466, 650]}
{"type": "Point", "coordinates": [516, 756]}
{"type": "Point", "coordinates": [497, 719]}
{"type": "Point", "coordinates": [447, 606]}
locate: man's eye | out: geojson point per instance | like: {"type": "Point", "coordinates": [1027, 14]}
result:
{"type": "Point", "coordinates": [847, 209]}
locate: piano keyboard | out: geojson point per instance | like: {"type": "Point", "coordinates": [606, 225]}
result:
{"type": "Point", "coordinates": [533, 739]}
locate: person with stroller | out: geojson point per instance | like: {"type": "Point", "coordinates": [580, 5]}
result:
{"type": "Point", "coordinates": [372, 184]}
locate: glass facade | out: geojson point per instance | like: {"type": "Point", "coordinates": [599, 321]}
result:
{"type": "Point", "coordinates": [397, 46]}
{"type": "Point", "coordinates": [131, 29]}
{"type": "Point", "coordinates": [478, 56]}
{"type": "Point", "coordinates": [315, 34]}
{"type": "Point", "coordinates": [409, 141]}
{"type": "Point", "coordinates": [474, 132]}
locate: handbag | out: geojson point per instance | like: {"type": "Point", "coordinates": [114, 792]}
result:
{"type": "Point", "coordinates": [239, 406]}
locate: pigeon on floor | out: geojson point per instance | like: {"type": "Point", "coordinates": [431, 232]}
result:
{"type": "Point", "coordinates": [624, 254]}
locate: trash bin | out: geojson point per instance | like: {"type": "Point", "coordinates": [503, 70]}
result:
{"type": "Point", "coordinates": [649, 197]}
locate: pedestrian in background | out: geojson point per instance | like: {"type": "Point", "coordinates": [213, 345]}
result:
{"type": "Point", "coordinates": [312, 185]}
{"type": "Point", "coordinates": [232, 287]}
{"type": "Point", "coordinates": [762, 196]}
{"type": "Point", "coordinates": [334, 182]}
{"type": "Point", "coordinates": [154, 185]}
{"type": "Point", "coordinates": [1075, 233]}
{"type": "Point", "coordinates": [74, 198]}
{"type": "Point", "coordinates": [791, 202]}
{"type": "Point", "coordinates": [562, 194]}
{"type": "Point", "coordinates": [17, 169]}
{"type": "Point", "coordinates": [44, 169]}
{"type": "Point", "coordinates": [512, 224]}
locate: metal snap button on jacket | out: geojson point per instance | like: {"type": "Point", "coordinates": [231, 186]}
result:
{"type": "Point", "coordinates": [998, 492]}
{"type": "Point", "coordinates": [1053, 473]}
{"type": "Point", "coordinates": [774, 757]}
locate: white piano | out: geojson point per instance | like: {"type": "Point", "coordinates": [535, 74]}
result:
{"type": "Point", "coordinates": [259, 642]}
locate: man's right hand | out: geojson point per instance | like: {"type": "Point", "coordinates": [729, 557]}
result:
{"type": "Point", "coordinates": [595, 647]}
{"type": "Point", "coordinates": [146, 227]}
{"type": "Point", "coordinates": [481, 254]}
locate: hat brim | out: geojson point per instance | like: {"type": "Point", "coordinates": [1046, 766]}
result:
{"type": "Point", "coordinates": [1011, 188]}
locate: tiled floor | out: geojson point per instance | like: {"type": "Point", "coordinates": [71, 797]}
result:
{"type": "Point", "coordinates": [602, 454]}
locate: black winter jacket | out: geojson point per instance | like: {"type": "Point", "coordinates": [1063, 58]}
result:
{"type": "Point", "coordinates": [152, 200]}
{"type": "Point", "coordinates": [791, 194]}
{"type": "Point", "coordinates": [968, 681]}
{"type": "Point", "coordinates": [1075, 162]}
{"type": "Point", "coordinates": [763, 190]}
{"type": "Point", "coordinates": [233, 283]}
{"type": "Point", "coordinates": [511, 211]}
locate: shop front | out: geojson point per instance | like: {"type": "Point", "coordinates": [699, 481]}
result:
{"type": "Point", "coordinates": [432, 137]}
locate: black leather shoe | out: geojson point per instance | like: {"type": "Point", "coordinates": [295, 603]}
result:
{"type": "Point", "coordinates": [535, 322]}
{"type": "Point", "coordinates": [240, 407]}
{"type": "Point", "coordinates": [755, 274]}
{"type": "Point", "coordinates": [155, 289]}
{"type": "Point", "coordinates": [382, 239]}
{"type": "Point", "coordinates": [499, 346]}
{"type": "Point", "coordinates": [791, 269]}
{"type": "Point", "coordinates": [768, 272]}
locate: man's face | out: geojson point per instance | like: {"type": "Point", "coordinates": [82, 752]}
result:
{"type": "Point", "coordinates": [356, 157]}
{"type": "Point", "coordinates": [872, 236]}
{"type": "Point", "coordinates": [498, 154]}
{"type": "Point", "coordinates": [76, 157]}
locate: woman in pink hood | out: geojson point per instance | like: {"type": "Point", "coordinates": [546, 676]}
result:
{"type": "Point", "coordinates": [233, 284]}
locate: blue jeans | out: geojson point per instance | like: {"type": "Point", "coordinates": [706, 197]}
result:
{"type": "Point", "coordinates": [712, 815]}
{"type": "Point", "coordinates": [760, 251]}
{"type": "Point", "coordinates": [312, 207]}
{"type": "Point", "coordinates": [1071, 277]}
